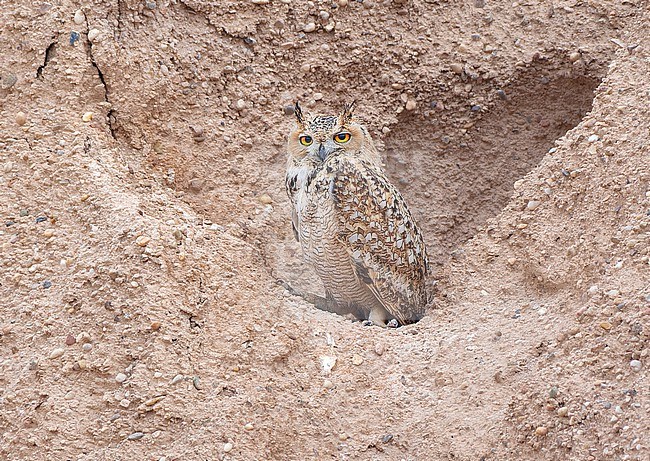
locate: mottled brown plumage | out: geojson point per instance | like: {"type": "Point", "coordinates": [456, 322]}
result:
{"type": "Point", "coordinates": [352, 223]}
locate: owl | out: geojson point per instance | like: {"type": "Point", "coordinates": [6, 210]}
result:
{"type": "Point", "coordinates": [353, 225]}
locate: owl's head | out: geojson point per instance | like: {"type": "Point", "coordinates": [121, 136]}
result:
{"type": "Point", "coordinates": [320, 136]}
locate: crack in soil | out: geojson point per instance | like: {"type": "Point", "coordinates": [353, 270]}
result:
{"type": "Point", "coordinates": [110, 116]}
{"type": "Point", "coordinates": [48, 56]}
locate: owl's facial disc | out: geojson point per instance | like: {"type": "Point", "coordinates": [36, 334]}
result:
{"type": "Point", "coordinates": [320, 136]}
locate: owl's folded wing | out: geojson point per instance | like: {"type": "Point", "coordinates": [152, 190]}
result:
{"type": "Point", "coordinates": [382, 239]}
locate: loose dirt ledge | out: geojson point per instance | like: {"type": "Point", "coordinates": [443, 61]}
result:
{"type": "Point", "coordinates": [141, 318]}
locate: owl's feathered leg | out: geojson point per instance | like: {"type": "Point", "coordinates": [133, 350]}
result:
{"type": "Point", "coordinates": [327, 303]}
{"type": "Point", "coordinates": [322, 303]}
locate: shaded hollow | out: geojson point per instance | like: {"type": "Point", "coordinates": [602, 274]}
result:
{"type": "Point", "coordinates": [454, 185]}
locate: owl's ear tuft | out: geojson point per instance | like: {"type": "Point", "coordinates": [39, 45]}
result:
{"type": "Point", "coordinates": [346, 115]}
{"type": "Point", "coordinates": [300, 118]}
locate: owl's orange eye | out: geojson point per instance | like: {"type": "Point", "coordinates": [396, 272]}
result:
{"type": "Point", "coordinates": [306, 140]}
{"type": "Point", "coordinates": [342, 137]}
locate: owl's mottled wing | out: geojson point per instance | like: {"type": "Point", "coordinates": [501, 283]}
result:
{"type": "Point", "coordinates": [382, 238]}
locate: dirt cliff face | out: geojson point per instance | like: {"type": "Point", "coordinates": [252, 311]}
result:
{"type": "Point", "coordinates": [145, 225]}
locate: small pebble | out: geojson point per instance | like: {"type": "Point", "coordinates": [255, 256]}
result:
{"type": "Point", "coordinates": [41, 219]}
{"type": "Point", "coordinates": [265, 199]}
{"type": "Point", "coordinates": [93, 34]}
{"type": "Point", "coordinates": [248, 426]}
{"type": "Point", "coordinates": [21, 118]}
{"type": "Point", "coordinates": [87, 347]}
{"type": "Point", "coordinates": [87, 117]}
{"type": "Point", "coordinates": [70, 340]}
{"type": "Point", "coordinates": [56, 353]}
{"type": "Point", "coordinates": [154, 400]}
{"type": "Point", "coordinates": [533, 204]}
{"type": "Point", "coordinates": [289, 110]}
{"type": "Point", "coordinates": [7, 80]}
{"type": "Point", "coordinates": [74, 36]}
{"type": "Point", "coordinates": [411, 104]}
{"type": "Point", "coordinates": [380, 349]}
{"type": "Point", "coordinates": [177, 379]}
{"type": "Point", "coordinates": [573, 57]}
{"type": "Point", "coordinates": [135, 436]}
{"type": "Point", "coordinates": [318, 96]}
{"type": "Point", "coordinates": [327, 384]}
{"type": "Point", "coordinates": [562, 412]}
{"type": "Point", "coordinates": [605, 325]}
{"type": "Point", "coordinates": [196, 382]}
{"type": "Point", "coordinates": [240, 105]}
{"type": "Point", "coordinates": [143, 240]}
{"type": "Point", "coordinates": [125, 403]}
{"type": "Point", "coordinates": [593, 138]}
{"type": "Point", "coordinates": [456, 68]}
{"type": "Point", "coordinates": [83, 337]}
{"type": "Point", "coordinates": [227, 447]}
{"type": "Point", "coordinates": [47, 284]}
{"type": "Point", "coordinates": [309, 27]}
{"type": "Point", "coordinates": [357, 359]}
{"type": "Point", "coordinates": [155, 325]}
{"type": "Point", "coordinates": [541, 430]}
{"type": "Point", "coordinates": [48, 233]}
{"type": "Point", "coordinates": [635, 365]}
{"type": "Point", "coordinates": [79, 17]}
{"type": "Point", "coordinates": [553, 393]}
{"type": "Point", "coordinates": [120, 377]}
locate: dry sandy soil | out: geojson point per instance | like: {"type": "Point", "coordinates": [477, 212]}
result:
{"type": "Point", "coordinates": [141, 246]}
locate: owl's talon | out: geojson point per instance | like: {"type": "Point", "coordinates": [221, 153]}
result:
{"type": "Point", "coordinates": [287, 287]}
{"type": "Point", "coordinates": [393, 323]}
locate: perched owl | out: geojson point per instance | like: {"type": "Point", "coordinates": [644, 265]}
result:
{"type": "Point", "coordinates": [352, 223]}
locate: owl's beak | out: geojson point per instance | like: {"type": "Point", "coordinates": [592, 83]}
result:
{"type": "Point", "coordinates": [323, 152]}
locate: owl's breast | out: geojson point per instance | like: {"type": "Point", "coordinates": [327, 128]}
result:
{"type": "Point", "coordinates": [317, 221]}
